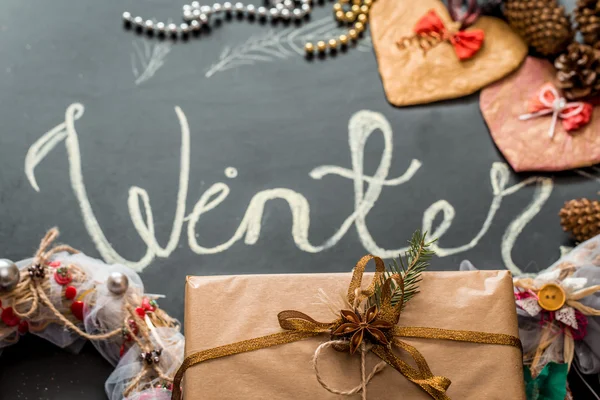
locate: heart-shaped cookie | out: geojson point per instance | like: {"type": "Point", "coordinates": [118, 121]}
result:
{"type": "Point", "coordinates": [411, 76]}
{"type": "Point", "coordinates": [526, 144]}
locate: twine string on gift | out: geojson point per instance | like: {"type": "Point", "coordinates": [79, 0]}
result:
{"type": "Point", "coordinates": [553, 103]}
{"type": "Point", "coordinates": [298, 326]}
{"type": "Point", "coordinates": [362, 388]}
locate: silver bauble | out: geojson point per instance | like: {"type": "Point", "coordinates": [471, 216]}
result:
{"type": "Point", "coordinates": [9, 275]}
{"type": "Point", "coordinates": [117, 283]}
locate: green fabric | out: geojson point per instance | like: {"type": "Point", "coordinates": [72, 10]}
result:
{"type": "Point", "coordinates": [550, 384]}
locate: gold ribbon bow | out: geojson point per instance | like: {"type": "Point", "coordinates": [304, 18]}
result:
{"type": "Point", "coordinates": [298, 326]}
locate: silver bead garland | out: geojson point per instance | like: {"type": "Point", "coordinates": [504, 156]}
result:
{"type": "Point", "coordinates": [195, 16]}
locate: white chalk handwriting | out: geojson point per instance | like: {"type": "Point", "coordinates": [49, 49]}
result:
{"type": "Point", "coordinates": [367, 189]}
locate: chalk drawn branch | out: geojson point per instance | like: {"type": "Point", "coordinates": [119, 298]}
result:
{"type": "Point", "coordinates": [147, 58]}
{"type": "Point", "coordinates": [271, 45]}
{"type": "Point", "coordinates": [592, 173]}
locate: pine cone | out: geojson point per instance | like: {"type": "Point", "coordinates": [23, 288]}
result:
{"type": "Point", "coordinates": [542, 23]}
{"type": "Point", "coordinates": [587, 18]}
{"type": "Point", "coordinates": [581, 218]}
{"type": "Point", "coordinates": [578, 71]}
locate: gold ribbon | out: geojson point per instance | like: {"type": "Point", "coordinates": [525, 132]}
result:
{"type": "Point", "coordinates": [299, 326]}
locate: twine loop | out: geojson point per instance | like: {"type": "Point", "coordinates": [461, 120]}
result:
{"type": "Point", "coordinates": [362, 387]}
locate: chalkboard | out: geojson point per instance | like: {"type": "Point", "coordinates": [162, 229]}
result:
{"type": "Point", "coordinates": [267, 132]}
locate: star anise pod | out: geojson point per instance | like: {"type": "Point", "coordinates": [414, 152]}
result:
{"type": "Point", "coordinates": [356, 325]}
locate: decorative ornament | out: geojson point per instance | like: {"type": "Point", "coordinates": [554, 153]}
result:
{"type": "Point", "coordinates": [411, 76]}
{"type": "Point", "coordinates": [197, 18]}
{"type": "Point", "coordinates": [587, 18]}
{"type": "Point", "coordinates": [430, 31]}
{"type": "Point", "coordinates": [554, 308]}
{"type": "Point", "coordinates": [77, 308]}
{"type": "Point", "coordinates": [543, 24]}
{"type": "Point", "coordinates": [525, 144]}
{"type": "Point", "coordinates": [548, 101]}
{"type": "Point", "coordinates": [356, 325]}
{"type": "Point", "coordinates": [355, 15]}
{"type": "Point", "coordinates": [36, 271]}
{"type": "Point", "coordinates": [151, 356]}
{"type": "Point", "coordinates": [9, 275]}
{"type": "Point", "coordinates": [36, 303]}
{"type": "Point", "coordinates": [70, 292]}
{"type": "Point", "coordinates": [581, 217]}
{"type": "Point", "coordinates": [63, 276]}
{"type": "Point", "coordinates": [117, 283]}
{"type": "Point", "coordinates": [578, 71]}
{"type": "Point", "coordinates": [9, 318]}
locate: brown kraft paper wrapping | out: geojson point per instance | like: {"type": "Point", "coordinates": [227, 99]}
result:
{"type": "Point", "coordinates": [411, 77]}
{"type": "Point", "coordinates": [220, 310]}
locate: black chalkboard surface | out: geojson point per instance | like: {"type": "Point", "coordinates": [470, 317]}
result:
{"type": "Point", "coordinates": [289, 164]}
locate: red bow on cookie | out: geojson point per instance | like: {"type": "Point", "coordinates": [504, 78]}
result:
{"type": "Point", "coordinates": [466, 43]}
{"type": "Point", "coordinates": [548, 101]}
{"type": "Point", "coordinates": [431, 31]}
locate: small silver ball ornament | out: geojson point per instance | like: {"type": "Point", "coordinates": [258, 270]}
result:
{"type": "Point", "coordinates": [9, 275]}
{"type": "Point", "coordinates": [117, 283]}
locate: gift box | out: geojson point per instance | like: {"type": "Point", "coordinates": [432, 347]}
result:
{"type": "Point", "coordinates": [221, 310]}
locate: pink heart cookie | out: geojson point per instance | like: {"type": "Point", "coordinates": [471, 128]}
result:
{"type": "Point", "coordinates": [525, 144]}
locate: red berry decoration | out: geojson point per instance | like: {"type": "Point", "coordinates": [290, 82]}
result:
{"type": "Point", "coordinates": [141, 312]}
{"type": "Point", "coordinates": [23, 327]}
{"type": "Point", "coordinates": [122, 350]}
{"type": "Point", "coordinates": [70, 292]}
{"type": "Point", "coordinates": [54, 264]}
{"type": "Point", "coordinates": [9, 318]}
{"type": "Point", "coordinates": [63, 276]}
{"type": "Point", "coordinates": [77, 309]}
{"type": "Point", "coordinates": [133, 327]}
{"type": "Point", "coordinates": [148, 305]}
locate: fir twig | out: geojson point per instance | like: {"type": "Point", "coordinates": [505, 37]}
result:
{"type": "Point", "coordinates": [408, 269]}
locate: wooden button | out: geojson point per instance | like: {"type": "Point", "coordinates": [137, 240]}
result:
{"type": "Point", "coordinates": [551, 297]}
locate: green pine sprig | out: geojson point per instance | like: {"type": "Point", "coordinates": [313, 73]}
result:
{"type": "Point", "coordinates": [409, 268]}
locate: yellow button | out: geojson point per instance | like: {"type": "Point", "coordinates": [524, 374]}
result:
{"type": "Point", "coordinates": [551, 297]}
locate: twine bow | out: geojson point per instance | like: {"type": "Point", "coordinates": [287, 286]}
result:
{"type": "Point", "coordinates": [549, 101]}
{"type": "Point", "coordinates": [298, 326]}
{"type": "Point", "coordinates": [430, 31]}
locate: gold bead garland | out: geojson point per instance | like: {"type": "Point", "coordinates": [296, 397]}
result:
{"type": "Point", "coordinates": [354, 13]}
